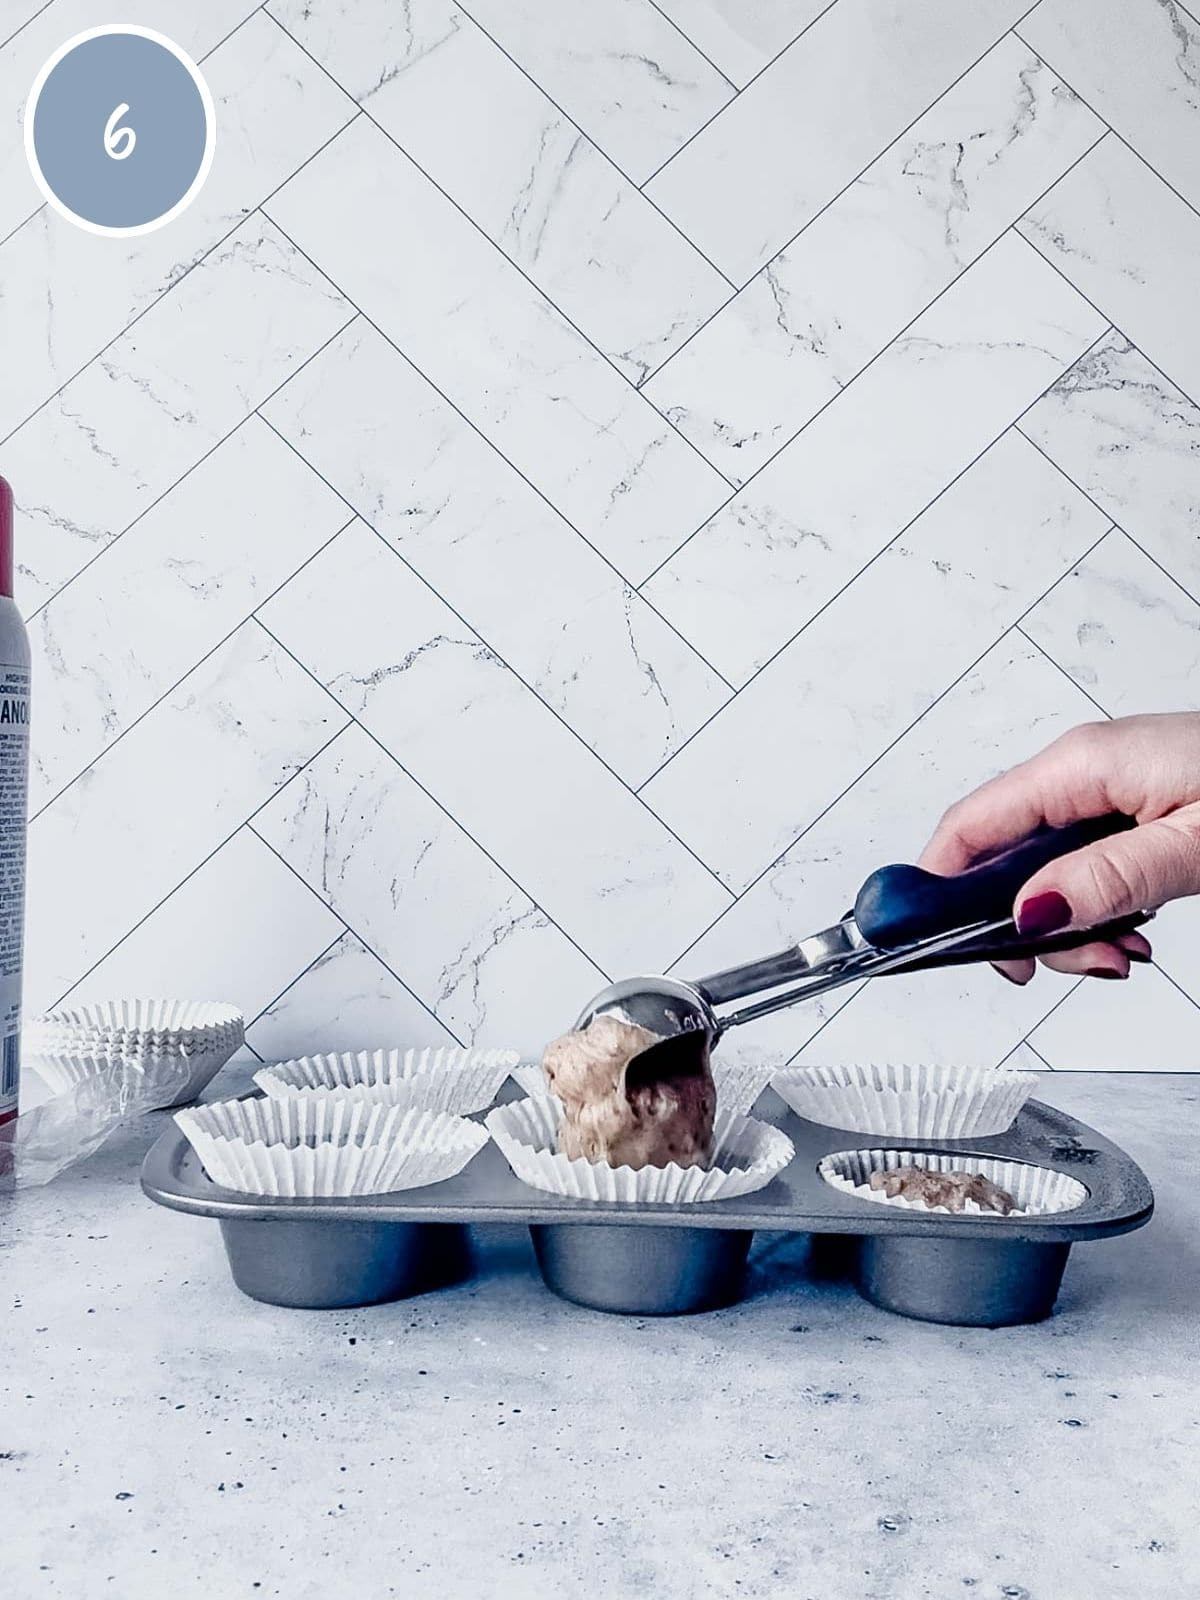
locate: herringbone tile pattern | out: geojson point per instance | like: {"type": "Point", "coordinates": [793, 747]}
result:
{"type": "Point", "coordinates": [584, 484]}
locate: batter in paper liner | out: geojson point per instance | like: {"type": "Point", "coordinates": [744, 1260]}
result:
{"type": "Point", "coordinates": [657, 1110]}
{"type": "Point", "coordinates": [949, 1189]}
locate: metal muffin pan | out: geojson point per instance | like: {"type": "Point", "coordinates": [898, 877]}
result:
{"type": "Point", "coordinates": [666, 1259]}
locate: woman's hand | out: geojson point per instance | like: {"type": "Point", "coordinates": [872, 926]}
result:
{"type": "Point", "coordinates": [1149, 768]}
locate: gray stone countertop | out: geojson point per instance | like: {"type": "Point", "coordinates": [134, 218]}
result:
{"type": "Point", "coordinates": [163, 1436]}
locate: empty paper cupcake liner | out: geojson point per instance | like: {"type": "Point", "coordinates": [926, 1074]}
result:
{"type": "Point", "coordinates": [1036, 1190]}
{"type": "Point", "coordinates": [324, 1147]}
{"type": "Point", "coordinates": [62, 1074]}
{"type": "Point", "coordinates": [738, 1084]}
{"type": "Point", "coordinates": [898, 1101]}
{"type": "Point", "coordinates": [532, 1079]}
{"type": "Point", "coordinates": [214, 1049]}
{"type": "Point", "coordinates": [124, 1024]}
{"type": "Point", "coordinates": [747, 1154]}
{"type": "Point", "coordinates": [166, 1075]}
{"type": "Point", "coordinates": [441, 1079]}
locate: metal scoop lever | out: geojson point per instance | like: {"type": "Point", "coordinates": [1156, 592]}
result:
{"type": "Point", "coordinates": [904, 919]}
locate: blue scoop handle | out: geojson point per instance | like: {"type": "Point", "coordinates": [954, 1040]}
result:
{"type": "Point", "coordinates": [902, 905]}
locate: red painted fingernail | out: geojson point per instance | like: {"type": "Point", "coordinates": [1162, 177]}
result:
{"type": "Point", "coordinates": [1138, 955]}
{"type": "Point", "coordinates": [1105, 972]}
{"type": "Point", "coordinates": [1043, 913]}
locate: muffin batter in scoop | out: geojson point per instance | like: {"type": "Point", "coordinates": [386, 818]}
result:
{"type": "Point", "coordinates": [630, 1098]}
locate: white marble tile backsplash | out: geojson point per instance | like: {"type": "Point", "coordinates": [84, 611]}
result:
{"type": "Point", "coordinates": [584, 484]}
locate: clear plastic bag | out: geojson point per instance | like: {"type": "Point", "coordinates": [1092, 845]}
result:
{"type": "Point", "coordinates": [76, 1102]}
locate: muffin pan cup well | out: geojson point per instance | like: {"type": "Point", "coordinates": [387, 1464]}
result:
{"type": "Point", "coordinates": [661, 1259]}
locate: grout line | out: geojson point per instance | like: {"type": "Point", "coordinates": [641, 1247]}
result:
{"type": "Point", "coordinates": [353, 932]}
{"type": "Point", "coordinates": [171, 688]}
{"type": "Point", "coordinates": [320, 956]}
{"type": "Point", "coordinates": [203, 862]}
{"type": "Point", "coordinates": [629, 587]}
{"type": "Point", "coordinates": [866, 983]}
{"type": "Point", "coordinates": [851, 995]}
{"type": "Point", "coordinates": [1182, 198]}
{"type": "Point", "coordinates": [1155, 562]}
{"type": "Point", "coordinates": [1058, 667]}
{"type": "Point", "coordinates": [626, 381]}
{"type": "Point", "coordinates": [224, 439]}
{"type": "Point", "coordinates": [603, 154]}
{"type": "Point", "coordinates": [1030, 1047]}
{"type": "Point", "coordinates": [866, 566]}
{"type": "Point", "coordinates": [25, 221]}
{"type": "Point", "coordinates": [765, 66]}
{"type": "Point", "coordinates": [1063, 576]}
{"type": "Point", "coordinates": [1008, 1055]}
{"type": "Point", "coordinates": [903, 734]}
{"type": "Point", "coordinates": [670, 21]}
{"type": "Point", "coordinates": [429, 795]}
{"type": "Point", "coordinates": [397, 555]}
{"type": "Point", "coordinates": [858, 177]}
{"type": "Point", "coordinates": [174, 283]}
{"type": "Point", "coordinates": [48, 3]}
{"type": "Point", "coordinates": [1174, 382]}
{"type": "Point", "coordinates": [1176, 985]}
{"type": "Point", "coordinates": [1061, 1001]}
{"type": "Point", "coordinates": [939, 96]}
{"type": "Point", "coordinates": [44, 7]}
{"type": "Point", "coordinates": [1103, 510]}
{"type": "Point", "coordinates": [204, 57]}
{"type": "Point", "coordinates": [237, 28]}
{"type": "Point", "coordinates": [846, 387]}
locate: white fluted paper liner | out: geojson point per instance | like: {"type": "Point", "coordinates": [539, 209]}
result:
{"type": "Point", "coordinates": [435, 1079]}
{"type": "Point", "coordinates": [43, 1041]}
{"type": "Point", "coordinates": [1036, 1190]}
{"type": "Point", "coordinates": [747, 1154]}
{"type": "Point", "coordinates": [908, 1101]}
{"type": "Point", "coordinates": [531, 1077]}
{"type": "Point", "coordinates": [323, 1147]}
{"type": "Point", "coordinates": [176, 1019]}
{"type": "Point", "coordinates": [168, 1075]}
{"type": "Point", "coordinates": [180, 1044]}
{"type": "Point", "coordinates": [738, 1083]}
{"type": "Point", "coordinates": [62, 1072]}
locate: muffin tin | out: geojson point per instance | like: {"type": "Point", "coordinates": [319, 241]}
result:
{"type": "Point", "coordinates": [660, 1259]}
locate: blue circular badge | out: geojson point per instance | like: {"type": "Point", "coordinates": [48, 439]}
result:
{"type": "Point", "coordinates": [120, 130]}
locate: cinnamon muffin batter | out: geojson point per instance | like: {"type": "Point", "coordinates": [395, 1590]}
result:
{"type": "Point", "coordinates": [949, 1189]}
{"type": "Point", "coordinates": [627, 1107]}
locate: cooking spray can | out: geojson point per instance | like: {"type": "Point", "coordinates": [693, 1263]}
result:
{"type": "Point", "coordinates": [14, 777]}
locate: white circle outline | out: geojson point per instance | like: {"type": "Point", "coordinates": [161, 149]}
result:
{"type": "Point", "coordinates": [210, 120]}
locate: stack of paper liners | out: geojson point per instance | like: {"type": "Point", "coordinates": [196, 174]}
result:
{"type": "Point", "coordinates": [898, 1101]}
{"type": "Point", "coordinates": [738, 1083]}
{"type": "Point", "coordinates": [747, 1154]}
{"type": "Point", "coordinates": [1036, 1190]}
{"type": "Point", "coordinates": [174, 1047]}
{"type": "Point", "coordinates": [445, 1079]}
{"type": "Point", "coordinates": [325, 1146]}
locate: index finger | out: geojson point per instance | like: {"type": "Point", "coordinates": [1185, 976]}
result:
{"type": "Point", "coordinates": [1063, 783]}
